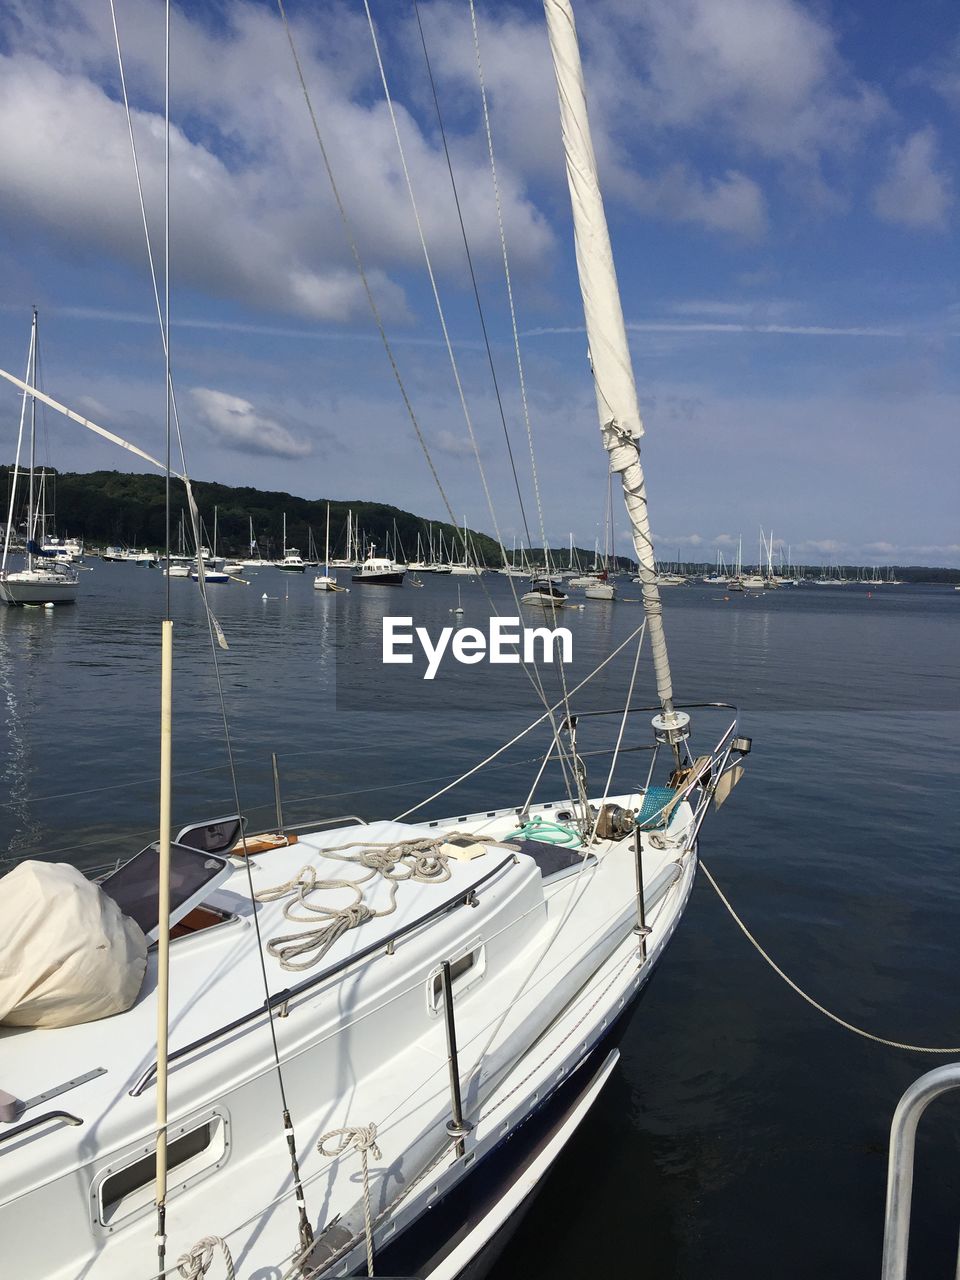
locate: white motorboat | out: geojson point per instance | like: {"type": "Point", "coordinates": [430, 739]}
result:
{"type": "Point", "coordinates": [291, 560]}
{"type": "Point", "coordinates": [544, 592]}
{"type": "Point", "coordinates": [380, 571]}
{"type": "Point", "coordinates": [69, 549]}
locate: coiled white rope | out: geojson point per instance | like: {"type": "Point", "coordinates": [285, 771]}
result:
{"type": "Point", "coordinates": [362, 1138]}
{"type": "Point", "coordinates": [841, 1022]}
{"type": "Point", "coordinates": [395, 861]}
{"type": "Point", "coordinates": [195, 1264]}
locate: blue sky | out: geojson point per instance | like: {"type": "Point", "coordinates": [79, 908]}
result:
{"type": "Point", "coordinates": [781, 181]}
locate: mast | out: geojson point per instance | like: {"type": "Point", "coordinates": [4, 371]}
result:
{"type": "Point", "coordinates": [33, 447]}
{"type": "Point", "coordinates": [326, 550]}
{"type": "Point", "coordinates": [609, 353]}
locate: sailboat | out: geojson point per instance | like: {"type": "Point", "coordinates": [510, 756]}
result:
{"type": "Point", "coordinates": [47, 578]}
{"type": "Point", "coordinates": [326, 581]}
{"type": "Point", "coordinates": [602, 588]}
{"type": "Point", "coordinates": [382, 1085]}
{"type": "Point", "coordinates": [719, 576]}
{"type": "Point", "coordinates": [253, 561]}
{"type": "Point", "coordinates": [469, 566]}
{"type": "Point", "coordinates": [211, 572]}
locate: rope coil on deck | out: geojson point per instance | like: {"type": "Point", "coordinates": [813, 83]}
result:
{"type": "Point", "coordinates": [396, 861]}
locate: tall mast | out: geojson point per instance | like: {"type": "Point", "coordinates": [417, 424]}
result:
{"type": "Point", "coordinates": [33, 444]}
{"type": "Point", "coordinates": [609, 353]}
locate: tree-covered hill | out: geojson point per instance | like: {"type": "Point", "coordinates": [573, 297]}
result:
{"type": "Point", "coordinates": [123, 509]}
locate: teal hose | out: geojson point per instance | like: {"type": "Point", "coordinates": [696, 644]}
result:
{"type": "Point", "coordinates": [547, 832]}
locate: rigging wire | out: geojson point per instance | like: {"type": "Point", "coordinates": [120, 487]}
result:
{"type": "Point", "coordinates": [535, 678]}
{"type": "Point", "coordinates": [375, 311]}
{"type": "Point", "coordinates": [213, 626]}
{"type": "Point", "coordinates": [473, 275]}
{"type": "Point", "coordinates": [523, 732]}
{"type": "Point", "coordinates": [476, 292]}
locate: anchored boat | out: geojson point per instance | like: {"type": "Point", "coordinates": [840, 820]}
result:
{"type": "Point", "coordinates": [360, 1045]}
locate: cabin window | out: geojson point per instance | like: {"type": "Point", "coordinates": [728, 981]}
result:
{"type": "Point", "coordinates": [465, 970]}
{"type": "Point", "coordinates": [191, 1152]}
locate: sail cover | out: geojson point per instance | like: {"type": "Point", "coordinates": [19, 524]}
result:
{"type": "Point", "coordinates": [609, 351]}
{"type": "Point", "coordinates": [67, 952]}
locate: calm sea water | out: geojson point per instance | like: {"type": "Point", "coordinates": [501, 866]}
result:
{"type": "Point", "coordinates": [743, 1135]}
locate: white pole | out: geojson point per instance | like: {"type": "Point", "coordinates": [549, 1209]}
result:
{"type": "Point", "coordinates": [163, 899]}
{"type": "Point", "coordinates": [609, 351]}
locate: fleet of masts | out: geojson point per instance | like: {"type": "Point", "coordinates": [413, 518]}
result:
{"type": "Point", "coordinates": [435, 552]}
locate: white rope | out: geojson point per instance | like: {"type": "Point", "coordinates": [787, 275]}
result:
{"type": "Point", "coordinates": [841, 1022]}
{"type": "Point", "coordinates": [361, 1138]}
{"type": "Point", "coordinates": [395, 861]}
{"type": "Point", "coordinates": [195, 1264]}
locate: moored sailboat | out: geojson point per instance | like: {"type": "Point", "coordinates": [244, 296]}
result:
{"type": "Point", "coordinates": [47, 577]}
{"type": "Point", "coordinates": [440, 1036]}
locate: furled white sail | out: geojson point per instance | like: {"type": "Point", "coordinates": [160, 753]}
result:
{"type": "Point", "coordinates": [606, 335]}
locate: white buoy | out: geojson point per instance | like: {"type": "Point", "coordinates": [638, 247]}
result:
{"type": "Point", "coordinates": [264, 596]}
{"type": "Point", "coordinates": [48, 605]}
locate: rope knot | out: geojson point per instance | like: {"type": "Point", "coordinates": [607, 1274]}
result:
{"type": "Point", "coordinates": [362, 1138]}
{"type": "Point", "coordinates": [195, 1264]}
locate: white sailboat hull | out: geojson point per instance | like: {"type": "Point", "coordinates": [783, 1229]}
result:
{"type": "Point", "coordinates": [601, 591]}
{"type": "Point", "coordinates": [534, 1007]}
{"type": "Point", "coordinates": [37, 587]}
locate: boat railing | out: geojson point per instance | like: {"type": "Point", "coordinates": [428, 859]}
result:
{"type": "Point", "coordinates": [900, 1164]}
{"type": "Point", "coordinates": [280, 1000]}
{"type": "Point", "coordinates": [726, 752]}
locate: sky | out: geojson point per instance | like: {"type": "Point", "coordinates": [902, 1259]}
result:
{"type": "Point", "coordinates": [781, 180]}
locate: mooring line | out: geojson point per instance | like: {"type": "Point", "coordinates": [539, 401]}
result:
{"type": "Point", "coordinates": [841, 1022]}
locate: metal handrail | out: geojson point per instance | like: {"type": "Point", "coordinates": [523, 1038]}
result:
{"type": "Point", "coordinates": [466, 897]}
{"type": "Point", "coordinates": [66, 1116]}
{"type": "Point", "coordinates": [679, 706]}
{"type": "Point", "coordinates": [903, 1134]}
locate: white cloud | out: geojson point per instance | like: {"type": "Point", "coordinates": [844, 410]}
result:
{"type": "Point", "coordinates": [453, 444]}
{"type": "Point", "coordinates": [253, 216]}
{"type": "Point", "coordinates": [732, 202]}
{"type": "Point", "coordinates": [235, 423]}
{"type": "Point", "coordinates": [916, 190]}
{"type": "Point", "coordinates": [767, 72]}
